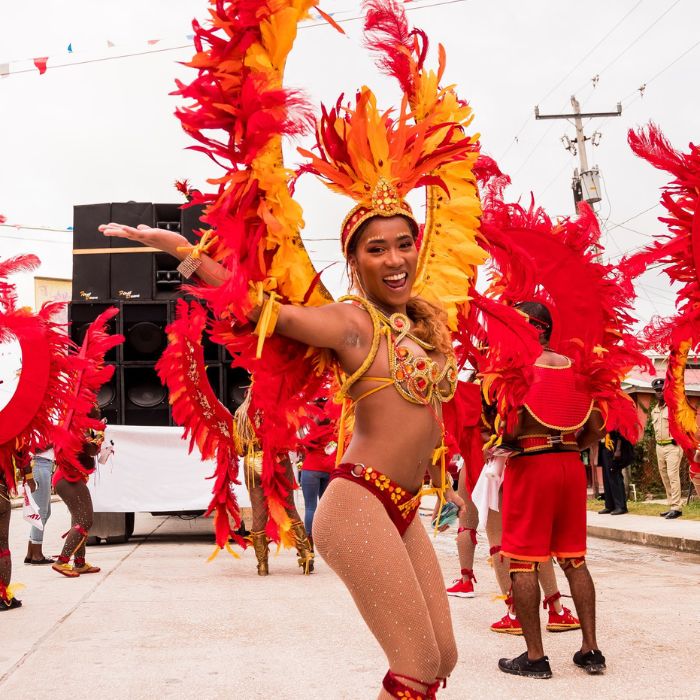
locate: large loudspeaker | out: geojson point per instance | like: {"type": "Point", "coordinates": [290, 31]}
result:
{"type": "Point", "coordinates": [81, 314]}
{"type": "Point", "coordinates": [236, 383]}
{"type": "Point", "coordinates": [143, 326]}
{"type": "Point", "coordinates": [109, 399]}
{"type": "Point", "coordinates": [91, 269]}
{"type": "Point", "coordinates": [131, 273]}
{"type": "Point", "coordinates": [145, 398]}
{"type": "Point", "coordinates": [166, 278]}
{"type": "Point", "coordinates": [190, 222]}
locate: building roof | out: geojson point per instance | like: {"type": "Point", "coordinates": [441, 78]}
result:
{"type": "Point", "coordinates": [639, 381]}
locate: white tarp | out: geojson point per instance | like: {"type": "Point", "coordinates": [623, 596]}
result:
{"type": "Point", "coordinates": [151, 471]}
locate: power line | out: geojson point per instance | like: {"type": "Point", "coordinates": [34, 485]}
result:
{"type": "Point", "coordinates": [586, 55]}
{"type": "Point", "coordinates": [631, 44]}
{"type": "Point", "coordinates": [36, 228]}
{"type": "Point", "coordinates": [617, 24]}
{"type": "Point", "coordinates": [436, 3]}
{"type": "Point", "coordinates": [634, 216]}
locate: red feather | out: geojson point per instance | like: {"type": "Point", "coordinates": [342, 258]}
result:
{"type": "Point", "coordinates": [88, 373]}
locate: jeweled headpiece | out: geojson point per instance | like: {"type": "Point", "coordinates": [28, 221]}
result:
{"type": "Point", "coordinates": [377, 159]}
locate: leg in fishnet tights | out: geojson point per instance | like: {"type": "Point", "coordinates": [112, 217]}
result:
{"type": "Point", "coordinates": [258, 502]}
{"type": "Point", "coordinates": [396, 583]}
{"type": "Point", "coordinates": [470, 521]}
{"type": "Point", "coordinates": [77, 498]}
{"type": "Point", "coordinates": [5, 562]}
{"type": "Point", "coordinates": [291, 508]}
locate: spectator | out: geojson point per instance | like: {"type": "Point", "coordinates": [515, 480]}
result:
{"type": "Point", "coordinates": [668, 453]}
{"type": "Point", "coordinates": [319, 448]}
{"type": "Point", "coordinates": [43, 469]}
{"type": "Point", "coordinates": [614, 457]}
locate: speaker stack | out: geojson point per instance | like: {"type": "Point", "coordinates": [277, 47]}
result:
{"type": "Point", "coordinates": [145, 285]}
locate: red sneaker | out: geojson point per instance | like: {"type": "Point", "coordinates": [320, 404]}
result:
{"type": "Point", "coordinates": [461, 589]}
{"type": "Point", "coordinates": [562, 623]}
{"type": "Point", "coordinates": [507, 625]}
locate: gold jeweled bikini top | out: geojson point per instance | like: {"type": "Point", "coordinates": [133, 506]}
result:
{"type": "Point", "coordinates": [417, 378]}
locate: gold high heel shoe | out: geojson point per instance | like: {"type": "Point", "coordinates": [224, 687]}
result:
{"type": "Point", "coordinates": [304, 547]}
{"type": "Point", "coordinates": [260, 545]}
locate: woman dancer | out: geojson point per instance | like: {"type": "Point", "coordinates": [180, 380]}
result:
{"type": "Point", "coordinates": [248, 446]}
{"type": "Point", "coordinates": [16, 473]}
{"type": "Point", "coordinates": [71, 486]}
{"type": "Point", "coordinates": [367, 514]}
{"type": "Point", "coordinates": [391, 345]}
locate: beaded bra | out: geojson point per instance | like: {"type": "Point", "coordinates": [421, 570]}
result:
{"type": "Point", "coordinates": [416, 378]}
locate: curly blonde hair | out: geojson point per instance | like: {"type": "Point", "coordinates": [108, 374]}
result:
{"type": "Point", "coordinates": [430, 324]}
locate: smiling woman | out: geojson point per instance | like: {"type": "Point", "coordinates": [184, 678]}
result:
{"type": "Point", "coordinates": [389, 343]}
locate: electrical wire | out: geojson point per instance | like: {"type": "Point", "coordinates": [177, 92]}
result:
{"type": "Point", "coordinates": [580, 62]}
{"type": "Point", "coordinates": [632, 43]}
{"type": "Point", "coordinates": [36, 228]}
{"type": "Point", "coordinates": [33, 69]}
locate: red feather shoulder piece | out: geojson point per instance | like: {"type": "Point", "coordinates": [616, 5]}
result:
{"type": "Point", "coordinates": [679, 253]}
{"type": "Point", "coordinates": [536, 259]}
{"type": "Point", "coordinates": [87, 374]}
{"type": "Point", "coordinates": [43, 386]}
{"type": "Point", "coordinates": [206, 421]}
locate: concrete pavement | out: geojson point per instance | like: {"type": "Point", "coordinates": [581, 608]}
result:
{"type": "Point", "coordinates": [679, 534]}
{"type": "Point", "coordinates": [160, 621]}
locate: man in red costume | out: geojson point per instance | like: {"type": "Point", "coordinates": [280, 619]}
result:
{"type": "Point", "coordinates": [544, 499]}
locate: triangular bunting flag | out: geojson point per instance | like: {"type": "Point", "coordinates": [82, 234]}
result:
{"type": "Point", "coordinates": [152, 42]}
{"type": "Point", "coordinates": [70, 47]}
{"type": "Point", "coordinates": [4, 70]}
{"type": "Point", "coordinates": [40, 63]}
{"type": "Point", "coordinates": [110, 45]}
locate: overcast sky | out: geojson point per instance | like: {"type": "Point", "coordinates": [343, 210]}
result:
{"type": "Point", "coordinates": [105, 130]}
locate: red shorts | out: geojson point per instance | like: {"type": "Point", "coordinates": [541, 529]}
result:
{"type": "Point", "coordinates": [544, 507]}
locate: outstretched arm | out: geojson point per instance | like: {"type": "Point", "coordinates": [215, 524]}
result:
{"type": "Point", "coordinates": [210, 272]}
{"type": "Point", "coordinates": [335, 326]}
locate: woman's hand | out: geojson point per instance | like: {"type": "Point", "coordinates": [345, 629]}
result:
{"type": "Point", "coordinates": [167, 241]}
{"type": "Point", "coordinates": [32, 485]}
{"type": "Point", "coordinates": [451, 496]}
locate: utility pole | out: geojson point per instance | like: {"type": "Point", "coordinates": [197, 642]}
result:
{"type": "Point", "coordinates": [586, 181]}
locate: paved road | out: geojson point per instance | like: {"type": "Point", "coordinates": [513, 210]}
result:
{"type": "Point", "coordinates": [161, 622]}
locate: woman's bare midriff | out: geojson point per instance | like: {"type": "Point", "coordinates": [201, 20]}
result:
{"type": "Point", "coordinates": [392, 434]}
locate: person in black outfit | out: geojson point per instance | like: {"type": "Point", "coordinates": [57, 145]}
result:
{"type": "Point", "coordinates": [613, 462]}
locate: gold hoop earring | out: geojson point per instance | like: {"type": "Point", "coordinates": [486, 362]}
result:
{"type": "Point", "coordinates": [356, 282]}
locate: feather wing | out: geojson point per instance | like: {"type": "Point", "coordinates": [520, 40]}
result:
{"type": "Point", "coordinates": [207, 423]}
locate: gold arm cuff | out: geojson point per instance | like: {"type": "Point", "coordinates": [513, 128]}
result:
{"type": "Point", "coordinates": [189, 266]}
{"type": "Point", "coordinates": [28, 475]}
{"type": "Point", "coordinates": [267, 321]}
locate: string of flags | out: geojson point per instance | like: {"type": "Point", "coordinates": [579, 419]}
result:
{"type": "Point", "coordinates": [43, 63]}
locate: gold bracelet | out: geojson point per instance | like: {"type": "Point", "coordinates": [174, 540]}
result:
{"type": "Point", "coordinates": [189, 266]}
{"type": "Point", "coordinates": [194, 257]}
{"type": "Point", "coordinates": [28, 476]}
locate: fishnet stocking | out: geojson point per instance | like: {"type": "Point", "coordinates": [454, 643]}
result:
{"type": "Point", "coordinates": [396, 583]}
{"type": "Point", "coordinates": [470, 520]}
{"type": "Point", "coordinates": [258, 502]}
{"type": "Point", "coordinates": [5, 562]}
{"type": "Point", "coordinates": [77, 498]}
